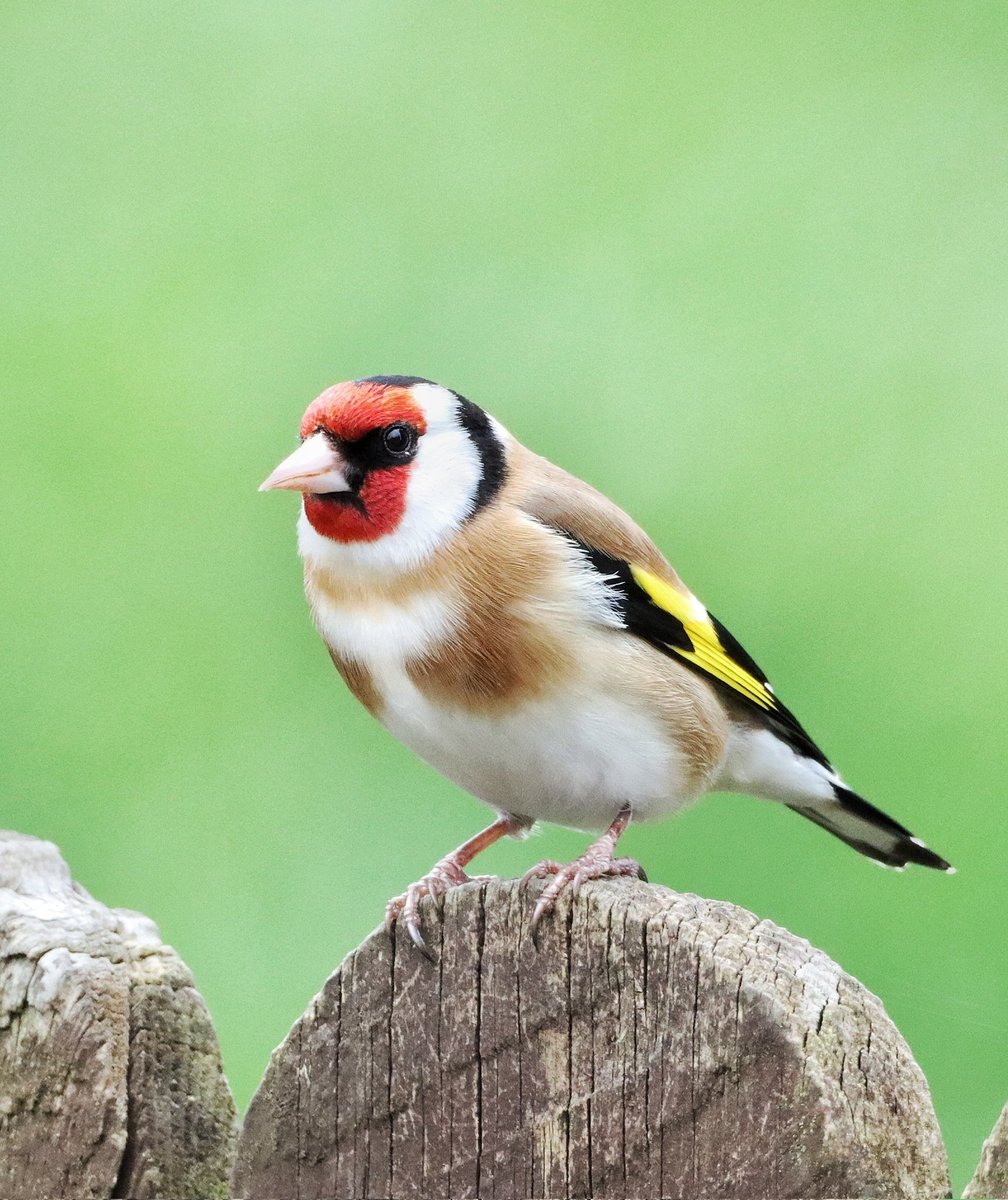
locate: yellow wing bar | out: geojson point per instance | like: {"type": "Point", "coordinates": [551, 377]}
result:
{"type": "Point", "coordinates": [708, 653]}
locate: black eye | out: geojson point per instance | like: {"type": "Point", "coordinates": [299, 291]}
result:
{"type": "Point", "coordinates": [399, 440]}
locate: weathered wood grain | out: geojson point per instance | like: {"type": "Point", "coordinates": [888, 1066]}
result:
{"type": "Point", "coordinates": [110, 1074]}
{"type": "Point", "coordinates": [654, 1044]}
{"type": "Point", "coordinates": [991, 1178]}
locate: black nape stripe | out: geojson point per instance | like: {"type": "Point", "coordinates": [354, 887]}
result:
{"type": "Point", "coordinates": [476, 423]}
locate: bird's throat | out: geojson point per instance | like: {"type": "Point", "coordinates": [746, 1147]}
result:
{"type": "Point", "coordinates": [363, 516]}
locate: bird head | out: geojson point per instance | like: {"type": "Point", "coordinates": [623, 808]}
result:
{"type": "Point", "coordinates": [395, 463]}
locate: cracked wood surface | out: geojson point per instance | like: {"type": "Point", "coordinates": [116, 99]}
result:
{"type": "Point", "coordinates": [110, 1074]}
{"type": "Point", "coordinates": [991, 1178]}
{"type": "Point", "coordinates": [654, 1044]}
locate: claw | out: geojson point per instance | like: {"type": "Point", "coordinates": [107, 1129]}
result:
{"type": "Point", "coordinates": [542, 870]}
{"type": "Point", "coordinates": [591, 865]}
{"type": "Point", "coordinates": [413, 929]}
{"type": "Point", "coordinates": [406, 907]}
{"type": "Point", "coordinates": [446, 874]}
{"type": "Point", "coordinates": [596, 862]}
{"type": "Point", "coordinates": [441, 878]}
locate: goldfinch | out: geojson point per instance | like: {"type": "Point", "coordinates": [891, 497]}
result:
{"type": "Point", "coordinates": [525, 637]}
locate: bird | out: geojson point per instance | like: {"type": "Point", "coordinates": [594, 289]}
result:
{"type": "Point", "coordinates": [523, 635]}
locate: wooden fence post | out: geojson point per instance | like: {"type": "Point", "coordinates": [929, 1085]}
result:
{"type": "Point", "coordinates": [110, 1075]}
{"type": "Point", "coordinates": [652, 1045]}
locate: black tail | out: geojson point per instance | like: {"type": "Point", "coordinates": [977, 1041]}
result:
{"type": "Point", "coordinates": [868, 829]}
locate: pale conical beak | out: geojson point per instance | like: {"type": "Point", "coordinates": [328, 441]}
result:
{"type": "Point", "coordinates": [315, 466]}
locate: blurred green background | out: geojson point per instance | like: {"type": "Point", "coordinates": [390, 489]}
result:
{"type": "Point", "coordinates": [743, 266]}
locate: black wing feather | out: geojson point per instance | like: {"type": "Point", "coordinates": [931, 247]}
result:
{"type": "Point", "coordinates": [664, 631]}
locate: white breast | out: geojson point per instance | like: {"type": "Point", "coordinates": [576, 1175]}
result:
{"type": "Point", "coordinates": [380, 633]}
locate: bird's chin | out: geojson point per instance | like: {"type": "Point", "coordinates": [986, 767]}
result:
{"type": "Point", "coordinates": [362, 514]}
{"type": "Point", "coordinates": [351, 500]}
{"type": "Point", "coordinates": [341, 517]}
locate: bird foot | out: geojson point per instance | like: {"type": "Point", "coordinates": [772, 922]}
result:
{"type": "Point", "coordinates": [543, 870]}
{"type": "Point", "coordinates": [597, 862]}
{"type": "Point", "coordinates": [441, 878]}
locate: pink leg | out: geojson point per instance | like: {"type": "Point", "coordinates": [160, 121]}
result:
{"type": "Point", "coordinates": [596, 862]}
{"type": "Point", "coordinates": [447, 873]}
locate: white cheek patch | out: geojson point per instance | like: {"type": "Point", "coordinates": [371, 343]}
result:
{"type": "Point", "coordinates": [440, 494]}
{"type": "Point", "coordinates": [442, 486]}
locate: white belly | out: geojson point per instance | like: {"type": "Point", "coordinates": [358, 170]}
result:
{"type": "Point", "coordinates": [573, 758]}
